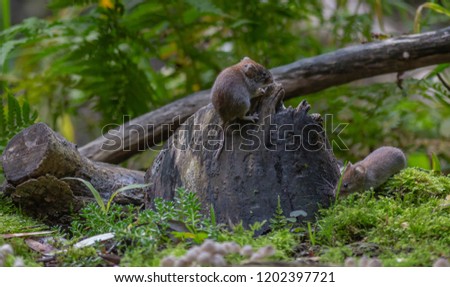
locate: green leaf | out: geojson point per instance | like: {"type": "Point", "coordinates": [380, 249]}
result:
{"type": "Point", "coordinates": [200, 237]}
{"type": "Point", "coordinates": [212, 215]}
{"type": "Point", "coordinates": [2, 117]}
{"type": "Point", "coordinates": [242, 22]}
{"type": "Point", "coordinates": [419, 159]}
{"type": "Point", "coordinates": [439, 69]}
{"type": "Point", "coordinates": [205, 6]}
{"type": "Point", "coordinates": [18, 113]}
{"type": "Point", "coordinates": [435, 164]}
{"type": "Point", "coordinates": [191, 15]}
{"type": "Point", "coordinates": [27, 117]}
{"type": "Point", "coordinates": [7, 48]}
{"type": "Point", "coordinates": [12, 117]}
{"type": "Point", "coordinates": [12, 112]}
{"type": "Point", "coordinates": [312, 235]}
{"type": "Point", "coordinates": [94, 192]}
{"type": "Point", "coordinates": [432, 6]}
{"type": "Point", "coordinates": [338, 187]}
{"type": "Point", "coordinates": [183, 235]}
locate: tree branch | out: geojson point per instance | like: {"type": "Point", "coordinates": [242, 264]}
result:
{"type": "Point", "coordinates": [302, 77]}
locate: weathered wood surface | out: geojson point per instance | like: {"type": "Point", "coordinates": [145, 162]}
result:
{"type": "Point", "coordinates": [285, 154]}
{"type": "Point", "coordinates": [299, 78]}
{"type": "Point", "coordinates": [37, 159]}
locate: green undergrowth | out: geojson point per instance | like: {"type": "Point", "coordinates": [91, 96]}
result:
{"type": "Point", "coordinates": [407, 223]}
{"type": "Point", "coordinates": [13, 221]}
{"type": "Point", "coordinates": [144, 237]}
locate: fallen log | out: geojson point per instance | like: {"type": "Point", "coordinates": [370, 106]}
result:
{"type": "Point", "coordinates": [36, 162]}
{"type": "Point", "coordinates": [299, 78]}
{"type": "Point", "coordinates": [284, 155]}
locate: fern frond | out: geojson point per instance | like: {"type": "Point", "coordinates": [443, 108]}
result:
{"type": "Point", "coordinates": [2, 116]}
{"type": "Point", "coordinates": [13, 118]}
{"type": "Point", "coordinates": [12, 102]}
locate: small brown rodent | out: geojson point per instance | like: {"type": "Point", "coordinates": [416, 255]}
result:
{"type": "Point", "coordinates": [233, 89]}
{"type": "Point", "coordinates": [372, 171]}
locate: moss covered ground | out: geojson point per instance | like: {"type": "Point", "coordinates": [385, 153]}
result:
{"type": "Point", "coordinates": [404, 223]}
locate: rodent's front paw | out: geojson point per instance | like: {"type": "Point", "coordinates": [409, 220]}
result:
{"type": "Point", "coordinates": [253, 118]}
{"type": "Point", "coordinates": [267, 90]}
{"type": "Point", "coordinates": [264, 90]}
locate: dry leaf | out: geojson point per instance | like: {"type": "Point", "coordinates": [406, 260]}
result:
{"type": "Point", "coordinates": [37, 246]}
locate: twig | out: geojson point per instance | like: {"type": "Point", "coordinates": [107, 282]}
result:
{"type": "Point", "coordinates": [443, 82]}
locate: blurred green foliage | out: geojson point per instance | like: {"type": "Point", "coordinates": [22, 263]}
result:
{"type": "Point", "coordinates": [129, 57]}
{"type": "Point", "coordinates": [14, 117]}
{"type": "Point", "coordinates": [415, 118]}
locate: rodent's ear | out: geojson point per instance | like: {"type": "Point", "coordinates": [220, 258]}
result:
{"type": "Point", "coordinates": [250, 70]}
{"type": "Point", "coordinates": [360, 169]}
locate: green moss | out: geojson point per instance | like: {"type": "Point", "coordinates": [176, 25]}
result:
{"type": "Point", "coordinates": [405, 223]}
{"type": "Point", "coordinates": [408, 222]}
{"type": "Point", "coordinates": [21, 250]}
{"type": "Point", "coordinates": [81, 257]}
{"type": "Point", "coordinates": [13, 221]}
{"type": "Point", "coordinates": [336, 254]}
{"type": "Point", "coordinates": [416, 186]}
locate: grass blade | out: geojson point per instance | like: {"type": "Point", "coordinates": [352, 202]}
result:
{"type": "Point", "coordinates": [435, 164]}
{"type": "Point", "coordinates": [94, 192]}
{"type": "Point", "coordinates": [122, 189]}
{"type": "Point", "coordinates": [432, 6]}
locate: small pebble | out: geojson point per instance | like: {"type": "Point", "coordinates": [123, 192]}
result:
{"type": "Point", "coordinates": [364, 262]}
{"type": "Point", "coordinates": [220, 249]}
{"type": "Point", "coordinates": [246, 251]}
{"type": "Point", "coordinates": [267, 251]}
{"type": "Point", "coordinates": [374, 262]}
{"type": "Point", "coordinates": [192, 253]}
{"type": "Point", "coordinates": [6, 249]}
{"type": "Point", "coordinates": [204, 258]}
{"type": "Point", "coordinates": [218, 260]}
{"type": "Point", "coordinates": [350, 262]}
{"type": "Point", "coordinates": [256, 256]}
{"type": "Point", "coordinates": [182, 262]}
{"type": "Point", "coordinates": [19, 262]}
{"type": "Point", "coordinates": [208, 246]}
{"type": "Point", "coordinates": [168, 261]}
{"type": "Point", "coordinates": [234, 247]}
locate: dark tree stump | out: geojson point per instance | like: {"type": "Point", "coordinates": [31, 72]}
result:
{"type": "Point", "coordinates": [285, 154]}
{"type": "Point", "coordinates": [37, 159]}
